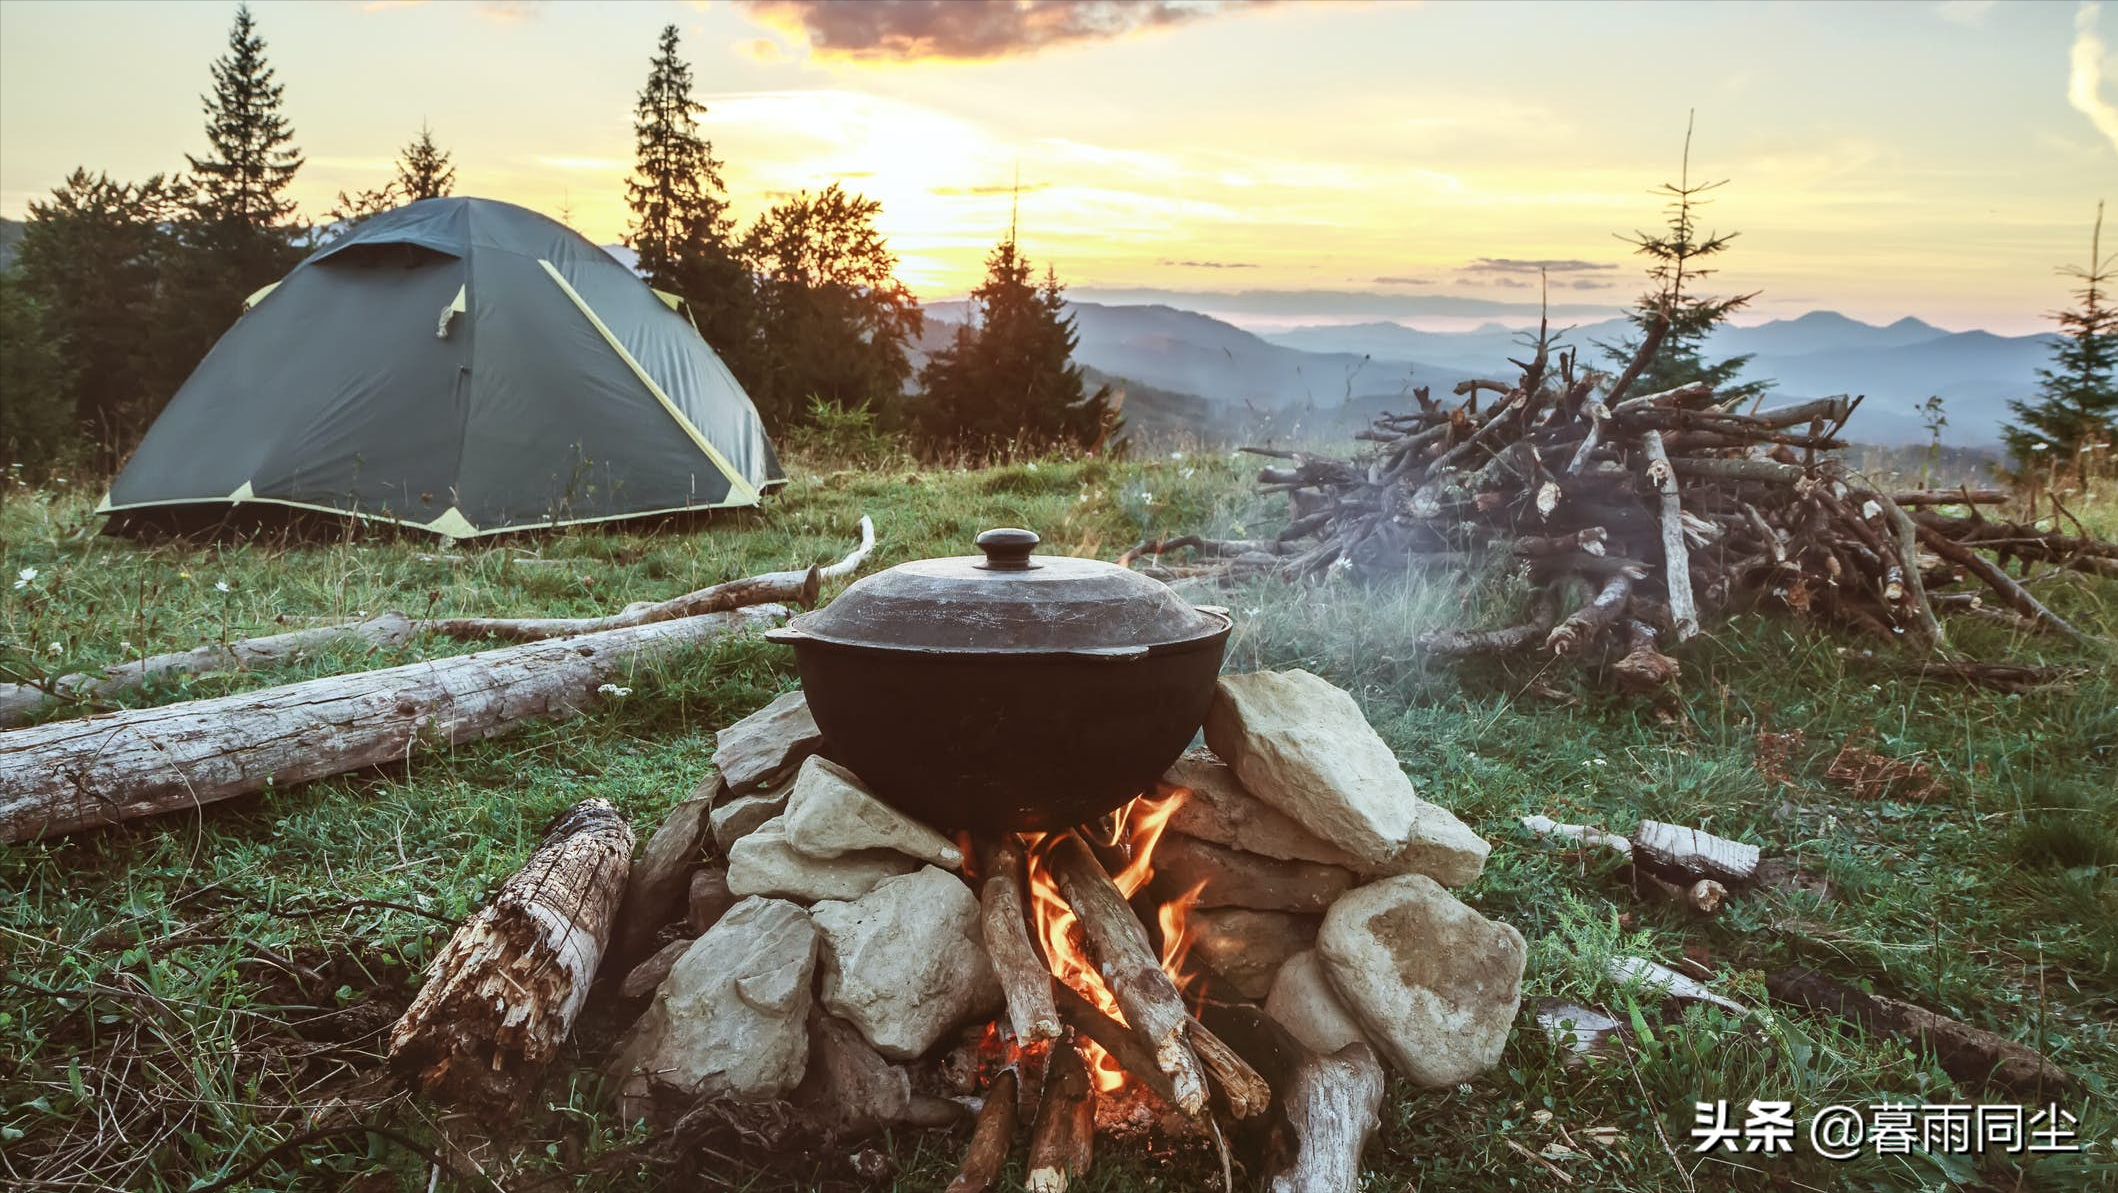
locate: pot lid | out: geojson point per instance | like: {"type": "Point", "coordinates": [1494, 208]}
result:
{"type": "Point", "coordinates": [1007, 600]}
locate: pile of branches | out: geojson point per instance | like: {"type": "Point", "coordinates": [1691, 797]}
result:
{"type": "Point", "coordinates": [1636, 516]}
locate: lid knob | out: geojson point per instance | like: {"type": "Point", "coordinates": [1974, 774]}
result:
{"type": "Point", "coordinates": [1007, 549]}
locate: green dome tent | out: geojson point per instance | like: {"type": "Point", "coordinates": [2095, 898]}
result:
{"type": "Point", "coordinates": [462, 366]}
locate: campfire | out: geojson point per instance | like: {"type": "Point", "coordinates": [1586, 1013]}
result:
{"type": "Point", "coordinates": [1227, 962]}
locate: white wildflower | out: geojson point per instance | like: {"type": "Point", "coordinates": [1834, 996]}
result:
{"type": "Point", "coordinates": [1187, 473]}
{"type": "Point", "coordinates": [54, 648]}
{"type": "Point", "coordinates": [614, 691]}
{"type": "Point", "coordinates": [124, 645]}
{"type": "Point", "coordinates": [1148, 497]}
{"type": "Point", "coordinates": [1031, 466]}
{"type": "Point", "coordinates": [221, 586]}
{"type": "Point", "coordinates": [25, 577]}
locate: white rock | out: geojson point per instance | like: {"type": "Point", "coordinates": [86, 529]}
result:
{"type": "Point", "coordinates": [1435, 984]}
{"type": "Point", "coordinates": [1243, 949]}
{"type": "Point", "coordinates": [830, 815]}
{"type": "Point", "coordinates": [732, 1016]}
{"type": "Point", "coordinates": [1304, 1003]}
{"type": "Point", "coordinates": [1220, 811]}
{"type": "Point", "coordinates": [736, 817]}
{"type": "Point", "coordinates": [906, 963]}
{"type": "Point", "coordinates": [763, 863]}
{"type": "Point", "coordinates": [762, 749]}
{"type": "Point", "coordinates": [1302, 746]}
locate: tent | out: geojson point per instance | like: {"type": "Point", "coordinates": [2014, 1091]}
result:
{"type": "Point", "coordinates": [463, 366]}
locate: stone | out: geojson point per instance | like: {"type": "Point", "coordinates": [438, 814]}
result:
{"type": "Point", "coordinates": [1243, 949]}
{"type": "Point", "coordinates": [1218, 877]}
{"type": "Point", "coordinates": [732, 1017]}
{"type": "Point", "coordinates": [830, 814]}
{"type": "Point", "coordinates": [1434, 984]}
{"type": "Point", "coordinates": [710, 897]}
{"type": "Point", "coordinates": [1303, 746]}
{"type": "Point", "coordinates": [764, 864]}
{"type": "Point", "coordinates": [738, 816]}
{"type": "Point", "coordinates": [1303, 1002]}
{"type": "Point", "coordinates": [1220, 811]}
{"type": "Point", "coordinates": [906, 962]}
{"type": "Point", "coordinates": [649, 974]}
{"type": "Point", "coordinates": [763, 749]}
{"type": "Point", "coordinates": [654, 890]}
{"type": "Point", "coordinates": [849, 1085]}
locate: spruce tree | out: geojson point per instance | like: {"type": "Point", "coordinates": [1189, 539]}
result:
{"type": "Point", "coordinates": [681, 227]}
{"type": "Point", "coordinates": [243, 180]}
{"type": "Point", "coordinates": [424, 170]}
{"type": "Point", "coordinates": [1008, 380]}
{"type": "Point", "coordinates": [2074, 416]}
{"type": "Point", "coordinates": [1677, 257]}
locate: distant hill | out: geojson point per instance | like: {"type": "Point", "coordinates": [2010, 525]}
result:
{"type": "Point", "coordinates": [10, 241]}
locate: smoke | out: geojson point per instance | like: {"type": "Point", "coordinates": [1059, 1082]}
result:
{"type": "Point", "coordinates": [910, 29]}
{"type": "Point", "coordinates": [2085, 78]}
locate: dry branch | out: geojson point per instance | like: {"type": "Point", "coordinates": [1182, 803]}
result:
{"type": "Point", "coordinates": [1241, 1087]}
{"type": "Point", "coordinates": [1331, 1107]}
{"type": "Point", "coordinates": [991, 1139]}
{"type": "Point", "coordinates": [797, 588]}
{"type": "Point", "coordinates": [503, 993]}
{"type": "Point", "coordinates": [1971, 1055]}
{"type": "Point", "coordinates": [107, 769]}
{"type": "Point", "coordinates": [1125, 1045]}
{"type": "Point", "coordinates": [1062, 1136]}
{"type": "Point", "coordinates": [1024, 977]}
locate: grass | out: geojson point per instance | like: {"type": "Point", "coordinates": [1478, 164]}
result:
{"type": "Point", "coordinates": [186, 991]}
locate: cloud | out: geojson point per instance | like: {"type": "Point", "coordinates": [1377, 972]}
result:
{"type": "Point", "coordinates": [991, 188]}
{"type": "Point", "coordinates": [2085, 79]}
{"type": "Point", "coordinates": [1518, 265]}
{"type": "Point", "coordinates": [1965, 12]}
{"type": "Point", "coordinates": [1404, 281]}
{"type": "Point", "coordinates": [1215, 264]}
{"type": "Point", "coordinates": [904, 30]}
{"type": "Point", "coordinates": [1591, 284]}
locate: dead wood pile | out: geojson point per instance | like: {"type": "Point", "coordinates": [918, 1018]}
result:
{"type": "Point", "coordinates": [1636, 518]}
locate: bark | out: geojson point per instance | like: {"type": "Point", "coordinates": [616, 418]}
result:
{"type": "Point", "coordinates": [1062, 1136]}
{"type": "Point", "coordinates": [502, 995]}
{"type": "Point", "coordinates": [1119, 945]}
{"type": "Point", "coordinates": [1024, 978]}
{"type": "Point", "coordinates": [20, 701]}
{"type": "Point", "coordinates": [115, 767]}
{"type": "Point", "coordinates": [1971, 1055]}
{"type": "Point", "coordinates": [990, 1139]}
{"type": "Point", "coordinates": [1331, 1108]}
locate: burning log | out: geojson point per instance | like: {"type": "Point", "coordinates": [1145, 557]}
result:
{"type": "Point", "coordinates": [503, 993]}
{"type": "Point", "coordinates": [1119, 944]}
{"type": "Point", "coordinates": [1062, 1136]}
{"type": "Point", "coordinates": [990, 1139]}
{"type": "Point", "coordinates": [1024, 979]}
{"type": "Point", "coordinates": [107, 769]}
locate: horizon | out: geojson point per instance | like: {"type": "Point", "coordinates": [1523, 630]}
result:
{"type": "Point", "coordinates": [1936, 161]}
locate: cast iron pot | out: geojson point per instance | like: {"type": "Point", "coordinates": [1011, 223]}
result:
{"type": "Point", "coordinates": [1004, 691]}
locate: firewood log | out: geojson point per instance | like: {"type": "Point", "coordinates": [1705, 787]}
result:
{"type": "Point", "coordinates": [1025, 980]}
{"type": "Point", "coordinates": [1676, 559]}
{"type": "Point", "coordinates": [1331, 1106]}
{"type": "Point", "coordinates": [1119, 945]}
{"type": "Point", "coordinates": [991, 1139]}
{"type": "Point", "coordinates": [1125, 1045]}
{"type": "Point", "coordinates": [115, 767]}
{"type": "Point", "coordinates": [1062, 1136]}
{"type": "Point", "coordinates": [501, 996]}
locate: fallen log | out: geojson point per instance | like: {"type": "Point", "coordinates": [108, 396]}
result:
{"type": "Point", "coordinates": [1025, 980]}
{"type": "Point", "coordinates": [503, 993]}
{"type": "Point", "coordinates": [798, 588]}
{"type": "Point", "coordinates": [990, 1139]}
{"type": "Point", "coordinates": [1062, 1136]}
{"type": "Point", "coordinates": [20, 701]}
{"type": "Point", "coordinates": [1119, 945]}
{"type": "Point", "coordinates": [114, 767]}
{"type": "Point", "coordinates": [1971, 1055]}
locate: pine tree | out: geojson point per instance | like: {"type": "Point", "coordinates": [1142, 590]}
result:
{"type": "Point", "coordinates": [681, 226]}
{"type": "Point", "coordinates": [1676, 255]}
{"type": "Point", "coordinates": [2075, 414]}
{"type": "Point", "coordinates": [833, 321]}
{"type": "Point", "coordinates": [1008, 380]}
{"type": "Point", "coordinates": [94, 254]}
{"type": "Point", "coordinates": [243, 181]}
{"type": "Point", "coordinates": [424, 170]}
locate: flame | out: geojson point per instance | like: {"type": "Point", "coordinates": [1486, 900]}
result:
{"type": "Point", "coordinates": [1135, 830]}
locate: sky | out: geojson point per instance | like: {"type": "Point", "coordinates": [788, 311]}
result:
{"type": "Point", "coordinates": [1937, 160]}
